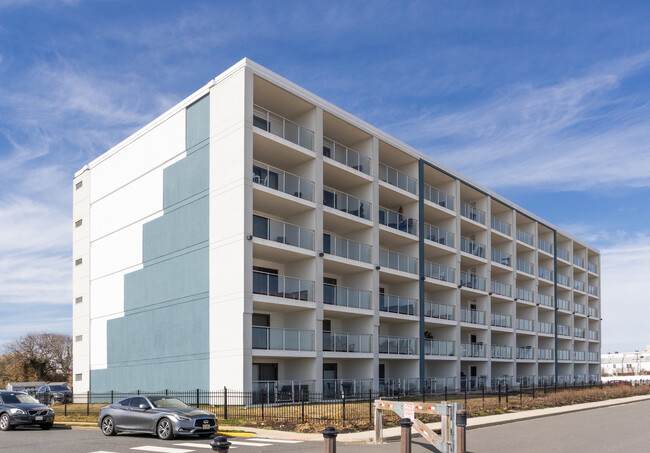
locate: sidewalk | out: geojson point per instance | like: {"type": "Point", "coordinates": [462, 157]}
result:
{"type": "Point", "coordinates": [472, 423]}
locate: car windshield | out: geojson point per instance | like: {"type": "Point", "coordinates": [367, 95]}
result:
{"type": "Point", "coordinates": [59, 388]}
{"type": "Point", "coordinates": [17, 398]}
{"type": "Point", "coordinates": [166, 402]}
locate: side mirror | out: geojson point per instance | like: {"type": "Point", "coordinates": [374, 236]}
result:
{"type": "Point", "coordinates": [144, 406]}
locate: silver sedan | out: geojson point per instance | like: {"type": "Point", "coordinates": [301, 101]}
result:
{"type": "Point", "coordinates": [163, 416]}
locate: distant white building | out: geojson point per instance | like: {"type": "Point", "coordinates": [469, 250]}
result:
{"type": "Point", "coordinates": [627, 363]}
{"type": "Point", "coordinates": [24, 386]}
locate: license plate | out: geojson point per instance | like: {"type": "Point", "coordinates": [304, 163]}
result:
{"type": "Point", "coordinates": [206, 425]}
{"type": "Point", "coordinates": [38, 418]}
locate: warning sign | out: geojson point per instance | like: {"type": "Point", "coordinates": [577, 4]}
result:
{"type": "Point", "coordinates": [409, 411]}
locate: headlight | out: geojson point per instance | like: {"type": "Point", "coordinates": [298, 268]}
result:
{"type": "Point", "coordinates": [50, 411]}
{"type": "Point", "coordinates": [16, 411]}
{"type": "Point", "coordinates": [182, 417]}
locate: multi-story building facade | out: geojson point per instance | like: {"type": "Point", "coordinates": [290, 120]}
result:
{"type": "Point", "coordinates": [257, 237]}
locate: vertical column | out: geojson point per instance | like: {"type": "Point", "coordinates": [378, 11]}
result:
{"type": "Point", "coordinates": [458, 290]}
{"type": "Point", "coordinates": [514, 303]}
{"type": "Point", "coordinates": [488, 312]}
{"type": "Point", "coordinates": [555, 299]}
{"type": "Point", "coordinates": [375, 260]}
{"type": "Point", "coordinates": [536, 295]}
{"type": "Point", "coordinates": [318, 230]}
{"type": "Point", "coordinates": [421, 269]}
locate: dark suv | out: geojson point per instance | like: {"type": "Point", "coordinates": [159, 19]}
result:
{"type": "Point", "coordinates": [48, 394]}
{"type": "Point", "coordinates": [18, 408]}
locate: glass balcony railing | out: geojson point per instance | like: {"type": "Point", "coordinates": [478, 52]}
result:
{"type": "Point", "coordinates": [563, 279]}
{"type": "Point", "coordinates": [277, 179]}
{"type": "Point", "coordinates": [271, 338]}
{"type": "Point", "coordinates": [593, 335]}
{"type": "Point", "coordinates": [545, 354]}
{"type": "Point", "coordinates": [526, 353]}
{"type": "Point", "coordinates": [346, 248]}
{"type": "Point", "coordinates": [562, 254]}
{"type": "Point", "coordinates": [398, 345]}
{"type": "Point", "coordinates": [525, 294]}
{"type": "Point", "coordinates": [501, 257]}
{"type": "Point", "coordinates": [579, 356]}
{"type": "Point", "coordinates": [472, 213]}
{"type": "Point", "coordinates": [439, 347]}
{"type": "Point", "coordinates": [346, 342]}
{"type": "Point", "coordinates": [282, 232]}
{"type": "Point", "coordinates": [476, 350]}
{"type": "Point", "coordinates": [440, 311]}
{"type": "Point", "coordinates": [398, 262]}
{"type": "Point", "coordinates": [284, 391]}
{"type": "Point", "coordinates": [398, 221]}
{"type": "Point", "coordinates": [545, 300]}
{"type": "Point", "coordinates": [593, 357]}
{"type": "Point", "coordinates": [472, 281]}
{"type": "Point", "coordinates": [346, 156]}
{"type": "Point", "coordinates": [500, 352]}
{"type": "Point", "coordinates": [502, 289]}
{"type": "Point", "coordinates": [545, 327]}
{"type": "Point", "coordinates": [472, 247]}
{"type": "Point", "coordinates": [525, 266]}
{"type": "Point", "coordinates": [592, 290]}
{"type": "Point", "coordinates": [563, 354]}
{"type": "Point", "coordinates": [472, 316]}
{"type": "Point", "coordinates": [282, 127]}
{"type": "Point", "coordinates": [592, 268]}
{"type": "Point", "coordinates": [545, 246]}
{"type": "Point", "coordinates": [500, 226]}
{"type": "Point", "coordinates": [438, 197]}
{"type": "Point", "coordinates": [281, 286]}
{"type": "Point", "coordinates": [333, 388]}
{"type": "Point", "coordinates": [563, 330]}
{"type": "Point", "coordinates": [526, 238]}
{"type": "Point", "coordinates": [593, 312]}
{"type": "Point", "coordinates": [578, 332]}
{"type": "Point", "coordinates": [525, 325]}
{"type": "Point", "coordinates": [435, 234]}
{"type": "Point", "coordinates": [563, 304]}
{"type": "Point", "coordinates": [579, 308]}
{"type": "Point", "coordinates": [580, 286]}
{"type": "Point", "coordinates": [545, 274]}
{"type": "Point", "coordinates": [347, 203]}
{"type": "Point", "coordinates": [499, 320]}
{"type": "Point", "coordinates": [398, 179]}
{"type": "Point", "coordinates": [438, 272]}
{"type": "Point", "coordinates": [347, 297]}
{"type": "Point", "coordinates": [397, 304]}
{"type": "Point", "coordinates": [580, 262]}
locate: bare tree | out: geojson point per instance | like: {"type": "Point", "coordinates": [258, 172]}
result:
{"type": "Point", "coordinates": [37, 356]}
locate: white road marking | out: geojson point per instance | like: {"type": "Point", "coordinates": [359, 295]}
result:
{"type": "Point", "coordinates": [161, 449]}
{"type": "Point", "coordinates": [279, 441]}
{"type": "Point", "coordinates": [197, 445]}
{"type": "Point", "coordinates": [246, 444]}
{"type": "Point", "coordinates": [101, 452]}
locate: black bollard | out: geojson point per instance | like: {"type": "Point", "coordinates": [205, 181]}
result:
{"type": "Point", "coordinates": [329, 439]}
{"type": "Point", "coordinates": [406, 425]}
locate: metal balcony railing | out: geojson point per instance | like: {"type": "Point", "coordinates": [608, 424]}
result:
{"type": "Point", "coordinates": [578, 332]}
{"type": "Point", "coordinates": [525, 237]}
{"type": "Point", "coordinates": [346, 156]}
{"type": "Point", "coordinates": [500, 352]}
{"type": "Point", "coordinates": [563, 354]}
{"type": "Point", "coordinates": [502, 289]}
{"type": "Point", "coordinates": [593, 335]}
{"type": "Point", "coordinates": [347, 387]}
{"type": "Point", "coordinates": [580, 286]}
{"type": "Point", "coordinates": [545, 300]}
{"type": "Point", "coordinates": [397, 304]}
{"type": "Point", "coordinates": [499, 320]}
{"type": "Point", "coordinates": [438, 272]}
{"type": "Point", "coordinates": [347, 297]}
{"type": "Point", "coordinates": [398, 345]}
{"type": "Point", "coordinates": [282, 127]}
{"type": "Point", "coordinates": [593, 312]}
{"type": "Point", "coordinates": [545, 273]}
{"type": "Point", "coordinates": [592, 268]}
{"type": "Point", "coordinates": [545, 327]}
{"type": "Point", "coordinates": [563, 330]}
{"type": "Point", "coordinates": [472, 247]}
{"type": "Point", "coordinates": [272, 338]}
{"type": "Point", "coordinates": [439, 347]}
{"type": "Point", "coordinates": [346, 248]}
{"type": "Point", "coordinates": [500, 226]}
{"type": "Point", "coordinates": [282, 232]}
{"type": "Point", "coordinates": [580, 262]}
{"type": "Point", "coordinates": [346, 342]}
{"type": "Point", "coordinates": [579, 356]}
{"type": "Point", "coordinates": [562, 254]}
{"type": "Point", "coordinates": [476, 350]}
{"type": "Point", "coordinates": [526, 295]}
{"type": "Point", "coordinates": [501, 257]}
{"type": "Point", "coordinates": [525, 266]}
{"type": "Point", "coordinates": [472, 281]}
{"type": "Point", "coordinates": [435, 234]}
{"type": "Point", "coordinates": [398, 179]}
{"type": "Point", "coordinates": [472, 213]}
{"type": "Point", "coordinates": [593, 357]}
{"type": "Point", "coordinates": [563, 304]}
{"type": "Point", "coordinates": [440, 311]}
{"type": "Point", "coordinates": [525, 325]}
{"type": "Point", "coordinates": [545, 246]}
{"type": "Point", "coordinates": [397, 221]}
{"type": "Point", "coordinates": [277, 179]}
{"type": "Point", "coordinates": [282, 286]}
{"type": "Point", "coordinates": [472, 316]}
{"type": "Point", "coordinates": [341, 201]}
{"type": "Point", "coordinates": [592, 290]}
{"type": "Point", "coordinates": [579, 308]}
{"type": "Point", "coordinates": [545, 354]}
{"type": "Point", "coordinates": [526, 353]}
{"type": "Point", "coordinates": [563, 279]}
{"type": "Point", "coordinates": [438, 197]}
{"type": "Point", "coordinates": [396, 261]}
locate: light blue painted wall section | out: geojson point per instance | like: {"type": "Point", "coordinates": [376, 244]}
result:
{"type": "Point", "coordinates": [162, 342]}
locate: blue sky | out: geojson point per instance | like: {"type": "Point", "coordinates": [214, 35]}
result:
{"type": "Point", "coordinates": [547, 103]}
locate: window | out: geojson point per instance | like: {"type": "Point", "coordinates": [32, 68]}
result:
{"type": "Point", "coordinates": [261, 320]}
{"type": "Point", "coordinates": [79, 185]}
{"type": "Point", "coordinates": [78, 261]}
{"type": "Point", "coordinates": [78, 338]}
{"type": "Point", "coordinates": [78, 300]}
{"type": "Point", "coordinates": [137, 401]}
{"type": "Point", "coordinates": [78, 223]}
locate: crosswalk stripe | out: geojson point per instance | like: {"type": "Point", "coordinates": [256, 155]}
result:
{"type": "Point", "coordinates": [161, 449]}
{"type": "Point", "coordinates": [248, 444]}
{"type": "Point", "coordinates": [279, 441]}
{"type": "Point", "coordinates": [197, 445]}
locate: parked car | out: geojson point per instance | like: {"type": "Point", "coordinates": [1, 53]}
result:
{"type": "Point", "coordinates": [18, 408]}
{"type": "Point", "coordinates": [49, 394]}
{"type": "Point", "coordinates": [163, 416]}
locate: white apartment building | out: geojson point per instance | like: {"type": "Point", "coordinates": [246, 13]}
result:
{"type": "Point", "coordinates": [635, 363]}
{"type": "Point", "coordinates": [260, 238]}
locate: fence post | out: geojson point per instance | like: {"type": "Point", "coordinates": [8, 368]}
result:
{"type": "Point", "coordinates": [343, 397]}
{"type": "Point", "coordinates": [499, 394]}
{"type": "Point", "coordinates": [166, 392]}
{"type": "Point", "coordinates": [533, 390]}
{"type": "Point", "coordinates": [138, 392]}
{"type": "Point", "coordinates": [506, 395]}
{"type": "Point", "coordinates": [465, 394]}
{"type": "Point", "coordinates": [445, 392]}
{"type": "Point", "coordinates": [329, 439]}
{"type": "Point", "coordinates": [225, 403]}
{"type": "Point", "coordinates": [302, 408]}
{"type": "Point", "coordinates": [461, 424]}
{"type": "Point", "coordinates": [88, 403]}
{"type": "Point", "coordinates": [112, 396]}
{"type": "Point", "coordinates": [65, 409]}
{"type": "Point", "coordinates": [521, 398]}
{"type": "Point", "coordinates": [370, 405]}
{"type": "Point", "coordinates": [483, 394]}
{"type": "Point", "coordinates": [544, 390]}
{"type": "Point", "coordinates": [197, 398]}
{"type": "Point", "coordinates": [262, 410]}
{"type": "Point", "coordinates": [405, 441]}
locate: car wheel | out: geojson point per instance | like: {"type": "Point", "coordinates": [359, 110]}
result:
{"type": "Point", "coordinates": [46, 426]}
{"type": "Point", "coordinates": [5, 422]}
{"type": "Point", "coordinates": [108, 426]}
{"type": "Point", "coordinates": [164, 429]}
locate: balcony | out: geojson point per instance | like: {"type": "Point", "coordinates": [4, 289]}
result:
{"type": "Point", "coordinates": [439, 347]}
{"type": "Point", "coordinates": [474, 350]}
{"type": "Point", "coordinates": [472, 213]}
{"type": "Point", "coordinates": [472, 281]}
{"type": "Point", "coordinates": [282, 286]}
{"type": "Point", "coordinates": [545, 246]}
{"type": "Point", "coordinates": [525, 266]}
{"type": "Point", "coordinates": [579, 356]}
{"type": "Point", "coordinates": [472, 316]}
{"type": "Point", "coordinates": [282, 127]}
{"type": "Point", "coordinates": [499, 320]}
{"type": "Point", "coordinates": [501, 257]}
{"type": "Point", "coordinates": [580, 262]}
{"type": "Point", "coordinates": [563, 304]}
{"type": "Point", "coordinates": [398, 345]}
{"type": "Point", "coordinates": [347, 342]}
{"type": "Point", "coordinates": [563, 279]}
{"type": "Point", "coordinates": [277, 179]}
{"type": "Point", "coordinates": [525, 295]}
{"type": "Point", "coordinates": [348, 387]}
{"type": "Point", "coordinates": [591, 267]}
{"type": "Point", "coordinates": [277, 339]}
{"type": "Point", "coordinates": [579, 308]}
{"type": "Point", "coordinates": [282, 232]}
{"type": "Point", "coordinates": [545, 300]}
{"type": "Point", "coordinates": [398, 221]}
{"type": "Point", "coordinates": [438, 272]}
{"type": "Point", "coordinates": [398, 179]}
{"type": "Point", "coordinates": [346, 156]}
{"type": "Point", "coordinates": [502, 289]}
{"type": "Point", "coordinates": [593, 312]}
{"type": "Point", "coordinates": [435, 234]}
{"type": "Point", "coordinates": [592, 290]}
{"type": "Point", "coordinates": [593, 357]}
{"type": "Point", "coordinates": [347, 297]}
{"type": "Point", "coordinates": [593, 335]}
{"type": "Point", "coordinates": [545, 273]}
{"type": "Point", "coordinates": [526, 353]}
{"type": "Point", "coordinates": [347, 203]}
{"type": "Point", "coordinates": [545, 354]}
{"type": "Point", "coordinates": [580, 286]}
{"type": "Point", "coordinates": [526, 238]}
{"type": "Point", "coordinates": [563, 330]}
{"type": "Point", "coordinates": [438, 197]}
{"type": "Point", "coordinates": [398, 262]}
{"type": "Point", "coordinates": [562, 254]}
{"type": "Point", "coordinates": [346, 248]}
{"type": "Point", "coordinates": [563, 354]}
{"type": "Point", "coordinates": [472, 247]}
{"type": "Point", "coordinates": [500, 226]}
{"type": "Point", "coordinates": [545, 327]}
{"type": "Point", "coordinates": [578, 332]}
{"type": "Point", "coordinates": [396, 304]}
{"type": "Point", "coordinates": [285, 391]}
{"type": "Point", "coordinates": [501, 352]}
{"type": "Point", "coordinates": [440, 311]}
{"type": "Point", "coordinates": [526, 325]}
